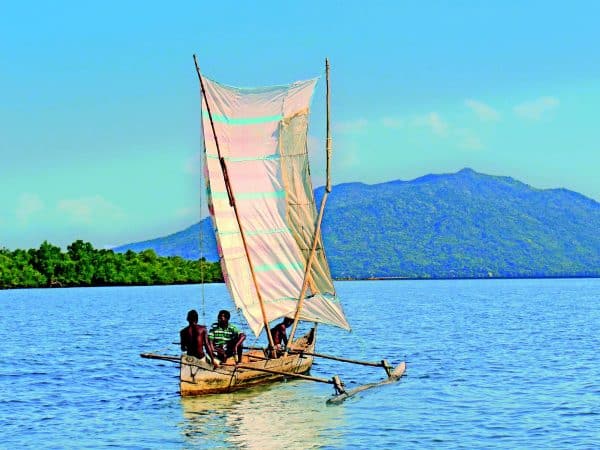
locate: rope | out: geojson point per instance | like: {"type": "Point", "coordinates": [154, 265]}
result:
{"type": "Point", "coordinates": [255, 341]}
{"type": "Point", "coordinates": [200, 234]}
{"type": "Point", "coordinates": [164, 349]}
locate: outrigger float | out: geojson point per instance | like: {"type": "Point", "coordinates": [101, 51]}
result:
{"type": "Point", "coordinates": [263, 209]}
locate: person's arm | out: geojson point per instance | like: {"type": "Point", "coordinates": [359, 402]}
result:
{"type": "Point", "coordinates": [183, 340]}
{"type": "Point", "coordinates": [284, 337]}
{"type": "Point", "coordinates": [199, 339]}
{"type": "Point", "coordinates": [209, 348]}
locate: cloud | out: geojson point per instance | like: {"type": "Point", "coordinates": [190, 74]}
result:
{"type": "Point", "coordinates": [468, 140]}
{"type": "Point", "coordinates": [28, 206]}
{"type": "Point", "coordinates": [185, 212]}
{"type": "Point", "coordinates": [535, 109]}
{"type": "Point", "coordinates": [315, 145]}
{"type": "Point", "coordinates": [433, 121]}
{"type": "Point", "coordinates": [87, 210]}
{"type": "Point", "coordinates": [316, 151]}
{"type": "Point", "coordinates": [352, 126]}
{"type": "Point", "coordinates": [392, 122]}
{"type": "Point", "coordinates": [349, 158]}
{"type": "Point", "coordinates": [485, 112]}
{"type": "Point", "coordinates": [318, 158]}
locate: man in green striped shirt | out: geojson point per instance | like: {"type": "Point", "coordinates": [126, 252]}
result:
{"type": "Point", "coordinates": [226, 338]}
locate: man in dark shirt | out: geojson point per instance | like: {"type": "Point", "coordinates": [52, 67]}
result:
{"type": "Point", "coordinates": [278, 332]}
{"type": "Point", "coordinates": [226, 338]}
{"type": "Point", "coordinates": [194, 338]}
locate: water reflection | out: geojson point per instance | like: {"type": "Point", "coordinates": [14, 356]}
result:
{"type": "Point", "coordinates": [286, 415]}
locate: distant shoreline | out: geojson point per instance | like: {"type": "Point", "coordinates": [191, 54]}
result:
{"type": "Point", "coordinates": [569, 277]}
{"type": "Point", "coordinates": [566, 277]}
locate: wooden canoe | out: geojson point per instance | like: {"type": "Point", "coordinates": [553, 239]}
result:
{"type": "Point", "coordinates": [198, 377]}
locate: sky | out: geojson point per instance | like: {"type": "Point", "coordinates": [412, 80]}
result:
{"type": "Point", "coordinates": [99, 110]}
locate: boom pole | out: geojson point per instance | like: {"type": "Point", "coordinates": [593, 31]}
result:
{"type": "Point", "coordinates": [317, 235]}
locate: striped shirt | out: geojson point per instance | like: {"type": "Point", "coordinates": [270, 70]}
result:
{"type": "Point", "coordinates": [221, 336]}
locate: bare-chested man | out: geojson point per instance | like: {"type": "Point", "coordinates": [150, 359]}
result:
{"type": "Point", "coordinates": [194, 338]}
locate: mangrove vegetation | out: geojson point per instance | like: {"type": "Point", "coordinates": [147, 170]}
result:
{"type": "Point", "coordinates": [83, 265]}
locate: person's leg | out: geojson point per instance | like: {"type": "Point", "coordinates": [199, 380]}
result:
{"type": "Point", "coordinates": [220, 353]}
{"type": "Point", "coordinates": [240, 347]}
{"type": "Point", "coordinates": [235, 347]}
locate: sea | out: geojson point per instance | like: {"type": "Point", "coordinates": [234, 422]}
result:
{"type": "Point", "coordinates": [490, 364]}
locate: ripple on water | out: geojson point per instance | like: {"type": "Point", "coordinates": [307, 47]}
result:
{"type": "Point", "coordinates": [491, 364]}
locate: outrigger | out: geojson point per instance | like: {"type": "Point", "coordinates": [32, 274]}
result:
{"type": "Point", "coordinates": [256, 368]}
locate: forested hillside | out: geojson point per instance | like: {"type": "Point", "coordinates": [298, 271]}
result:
{"type": "Point", "coordinates": [461, 225]}
{"type": "Point", "coordinates": [465, 224]}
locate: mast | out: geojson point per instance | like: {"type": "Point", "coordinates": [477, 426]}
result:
{"type": "Point", "coordinates": [317, 234]}
{"type": "Point", "coordinates": [235, 210]}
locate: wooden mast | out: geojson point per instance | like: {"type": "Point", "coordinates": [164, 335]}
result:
{"type": "Point", "coordinates": [235, 210]}
{"type": "Point", "coordinates": [317, 234]}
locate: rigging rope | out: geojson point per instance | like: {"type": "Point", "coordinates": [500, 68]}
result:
{"type": "Point", "coordinates": [200, 234]}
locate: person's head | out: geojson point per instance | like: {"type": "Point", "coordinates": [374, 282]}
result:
{"type": "Point", "coordinates": [192, 316]}
{"type": "Point", "coordinates": [223, 317]}
{"type": "Point", "coordinates": [287, 321]}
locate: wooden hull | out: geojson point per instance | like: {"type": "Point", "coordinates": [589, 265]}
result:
{"type": "Point", "coordinates": [200, 378]}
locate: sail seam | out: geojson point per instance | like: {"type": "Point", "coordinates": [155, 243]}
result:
{"type": "Point", "coordinates": [328, 297]}
{"type": "Point", "coordinates": [220, 195]}
{"type": "Point", "coordinates": [243, 120]}
{"type": "Point", "coordinates": [256, 232]}
{"type": "Point", "coordinates": [278, 267]}
{"type": "Point", "coordinates": [294, 155]}
{"type": "Point", "coordinates": [272, 157]}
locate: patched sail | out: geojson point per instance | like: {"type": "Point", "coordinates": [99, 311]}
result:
{"type": "Point", "coordinates": [262, 133]}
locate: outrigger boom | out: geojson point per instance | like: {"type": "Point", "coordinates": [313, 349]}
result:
{"type": "Point", "coordinates": [177, 359]}
{"type": "Point", "coordinates": [383, 362]}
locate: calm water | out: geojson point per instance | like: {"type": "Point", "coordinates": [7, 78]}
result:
{"type": "Point", "coordinates": [491, 364]}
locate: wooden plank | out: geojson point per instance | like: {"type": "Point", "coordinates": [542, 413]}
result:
{"type": "Point", "coordinates": [338, 358]}
{"type": "Point", "coordinates": [287, 374]}
{"type": "Point", "coordinates": [394, 376]}
{"type": "Point", "coordinates": [176, 359]}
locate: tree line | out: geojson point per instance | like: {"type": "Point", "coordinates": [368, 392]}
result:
{"type": "Point", "coordinates": [83, 265]}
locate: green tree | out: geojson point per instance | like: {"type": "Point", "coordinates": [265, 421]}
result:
{"type": "Point", "coordinates": [46, 260]}
{"type": "Point", "coordinates": [83, 256]}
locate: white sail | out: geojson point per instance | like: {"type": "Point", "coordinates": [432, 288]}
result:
{"type": "Point", "coordinates": [261, 133]}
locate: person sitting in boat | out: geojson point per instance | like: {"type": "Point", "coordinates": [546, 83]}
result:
{"type": "Point", "coordinates": [194, 339]}
{"type": "Point", "coordinates": [226, 338]}
{"type": "Point", "coordinates": [278, 332]}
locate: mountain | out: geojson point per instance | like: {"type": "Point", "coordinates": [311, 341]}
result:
{"type": "Point", "coordinates": [185, 243]}
{"type": "Point", "coordinates": [465, 224]}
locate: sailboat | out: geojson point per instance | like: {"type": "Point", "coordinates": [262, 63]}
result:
{"type": "Point", "coordinates": [268, 230]}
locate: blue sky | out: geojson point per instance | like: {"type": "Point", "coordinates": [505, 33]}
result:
{"type": "Point", "coordinates": [99, 134]}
